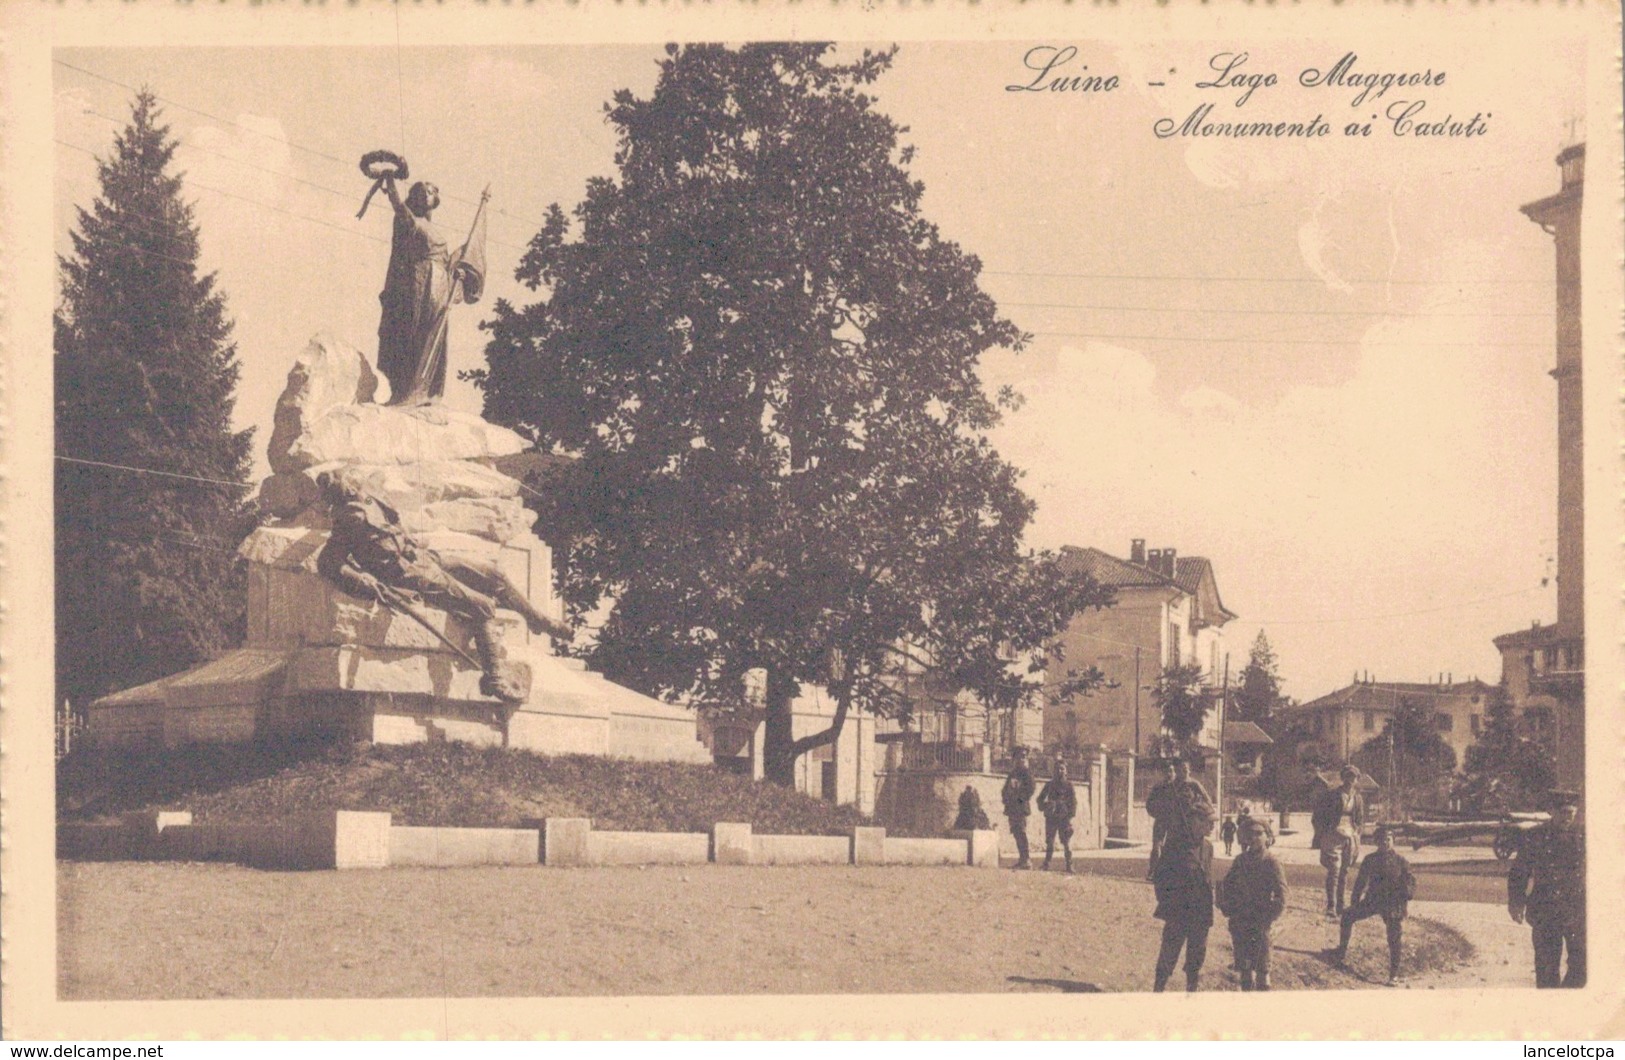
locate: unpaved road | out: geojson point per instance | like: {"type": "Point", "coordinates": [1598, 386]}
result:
{"type": "Point", "coordinates": [133, 930]}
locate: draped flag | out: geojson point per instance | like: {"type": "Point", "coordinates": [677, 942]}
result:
{"type": "Point", "coordinates": [470, 267]}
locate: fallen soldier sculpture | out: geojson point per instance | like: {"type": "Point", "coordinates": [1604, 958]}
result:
{"type": "Point", "coordinates": [371, 557]}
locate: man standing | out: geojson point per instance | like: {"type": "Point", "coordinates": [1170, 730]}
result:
{"type": "Point", "coordinates": [1156, 797]}
{"type": "Point", "coordinates": [1337, 818]}
{"type": "Point", "coordinates": [1182, 816]}
{"type": "Point", "coordinates": [1058, 802]}
{"type": "Point", "coordinates": [1184, 889]}
{"type": "Point", "coordinates": [1018, 796]}
{"type": "Point", "coordinates": [1546, 886]}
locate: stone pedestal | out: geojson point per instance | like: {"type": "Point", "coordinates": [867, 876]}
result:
{"type": "Point", "coordinates": [318, 660]}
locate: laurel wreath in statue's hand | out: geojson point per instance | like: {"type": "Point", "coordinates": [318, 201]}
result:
{"type": "Point", "coordinates": [381, 166]}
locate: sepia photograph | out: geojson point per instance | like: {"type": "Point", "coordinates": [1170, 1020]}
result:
{"type": "Point", "coordinates": [665, 514]}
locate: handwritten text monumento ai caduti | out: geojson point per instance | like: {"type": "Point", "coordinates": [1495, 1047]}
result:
{"type": "Point", "coordinates": [1239, 80]}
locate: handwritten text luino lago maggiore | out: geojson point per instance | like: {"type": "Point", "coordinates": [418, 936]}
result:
{"type": "Point", "coordinates": [1384, 103]}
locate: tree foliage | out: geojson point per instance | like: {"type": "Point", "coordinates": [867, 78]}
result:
{"type": "Point", "coordinates": [1505, 769]}
{"type": "Point", "coordinates": [1409, 755]}
{"type": "Point", "coordinates": [764, 358]}
{"type": "Point", "coordinates": [1183, 702]}
{"type": "Point", "coordinates": [1258, 689]}
{"type": "Point", "coordinates": [147, 580]}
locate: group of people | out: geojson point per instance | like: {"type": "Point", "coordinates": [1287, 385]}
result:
{"type": "Point", "coordinates": [1545, 885]}
{"type": "Point", "coordinates": [1058, 802]}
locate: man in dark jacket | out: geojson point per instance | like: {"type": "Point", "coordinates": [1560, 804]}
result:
{"type": "Point", "coordinates": [1180, 808]}
{"type": "Point", "coordinates": [1383, 888]}
{"type": "Point", "coordinates": [1058, 802]}
{"type": "Point", "coordinates": [1546, 887]}
{"type": "Point", "coordinates": [1338, 816]}
{"type": "Point", "coordinates": [1018, 796]}
{"type": "Point", "coordinates": [1184, 889]}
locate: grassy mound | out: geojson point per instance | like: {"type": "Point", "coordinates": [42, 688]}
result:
{"type": "Point", "coordinates": [435, 784]}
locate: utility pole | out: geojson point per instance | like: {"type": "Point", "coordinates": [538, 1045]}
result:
{"type": "Point", "coordinates": [1136, 702]}
{"type": "Point", "coordinates": [1224, 710]}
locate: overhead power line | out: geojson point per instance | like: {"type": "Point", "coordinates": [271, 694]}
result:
{"type": "Point", "coordinates": [150, 471]}
{"type": "Point", "coordinates": [1258, 279]}
{"type": "Point", "coordinates": [269, 206]}
{"type": "Point", "coordinates": [1265, 312]}
{"type": "Point", "coordinates": [269, 136]}
{"type": "Point", "coordinates": [1396, 614]}
{"type": "Point", "coordinates": [1205, 341]}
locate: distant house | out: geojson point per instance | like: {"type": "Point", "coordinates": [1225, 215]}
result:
{"type": "Point", "coordinates": [1168, 613]}
{"type": "Point", "coordinates": [1345, 720]}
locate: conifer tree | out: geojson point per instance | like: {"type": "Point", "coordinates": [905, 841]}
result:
{"type": "Point", "coordinates": [1259, 688]}
{"type": "Point", "coordinates": [1505, 769]}
{"type": "Point", "coordinates": [147, 580]}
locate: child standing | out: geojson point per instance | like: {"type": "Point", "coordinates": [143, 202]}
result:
{"type": "Point", "coordinates": [1384, 888]}
{"type": "Point", "coordinates": [1227, 832]}
{"type": "Point", "coordinates": [1252, 896]}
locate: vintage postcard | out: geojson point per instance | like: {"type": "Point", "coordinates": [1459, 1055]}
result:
{"type": "Point", "coordinates": [590, 520]}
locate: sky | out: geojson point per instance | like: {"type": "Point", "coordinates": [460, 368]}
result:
{"type": "Point", "coordinates": [1320, 363]}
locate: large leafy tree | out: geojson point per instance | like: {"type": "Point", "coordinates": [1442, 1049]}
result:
{"type": "Point", "coordinates": [1258, 689]}
{"type": "Point", "coordinates": [1504, 769]}
{"type": "Point", "coordinates": [1409, 755]}
{"type": "Point", "coordinates": [147, 582]}
{"type": "Point", "coordinates": [764, 358]}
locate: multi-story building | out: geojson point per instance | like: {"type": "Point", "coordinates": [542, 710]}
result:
{"type": "Point", "coordinates": [1168, 613]}
{"type": "Point", "coordinates": [1345, 720]}
{"type": "Point", "coordinates": [1543, 667]}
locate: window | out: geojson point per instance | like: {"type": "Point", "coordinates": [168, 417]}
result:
{"type": "Point", "coordinates": [1370, 721]}
{"type": "Point", "coordinates": [1477, 722]}
{"type": "Point", "coordinates": [1443, 722]}
{"type": "Point", "coordinates": [1174, 651]}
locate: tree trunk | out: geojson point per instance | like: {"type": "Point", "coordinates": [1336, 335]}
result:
{"type": "Point", "coordinates": [778, 738]}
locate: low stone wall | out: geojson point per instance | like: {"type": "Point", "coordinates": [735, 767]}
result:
{"type": "Point", "coordinates": [648, 848]}
{"type": "Point", "coordinates": [442, 847]}
{"type": "Point", "coordinates": [800, 850]}
{"type": "Point", "coordinates": [356, 840]}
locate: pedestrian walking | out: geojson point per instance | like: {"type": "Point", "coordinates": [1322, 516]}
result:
{"type": "Point", "coordinates": [1338, 816]}
{"type": "Point", "coordinates": [1546, 888]}
{"type": "Point", "coordinates": [1252, 897]}
{"type": "Point", "coordinates": [1018, 796]}
{"type": "Point", "coordinates": [1383, 888]}
{"type": "Point", "coordinates": [1227, 832]}
{"type": "Point", "coordinates": [1058, 802]}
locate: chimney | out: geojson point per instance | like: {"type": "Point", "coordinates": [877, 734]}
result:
{"type": "Point", "coordinates": [1153, 560]}
{"type": "Point", "coordinates": [1168, 562]}
{"type": "Point", "coordinates": [1136, 551]}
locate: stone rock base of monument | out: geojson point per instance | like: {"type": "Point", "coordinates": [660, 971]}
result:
{"type": "Point", "coordinates": [318, 661]}
{"type": "Point", "coordinates": [258, 694]}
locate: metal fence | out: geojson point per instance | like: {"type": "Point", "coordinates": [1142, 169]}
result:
{"type": "Point", "coordinates": [946, 757]}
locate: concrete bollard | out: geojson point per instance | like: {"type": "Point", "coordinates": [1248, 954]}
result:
{"type": "Point", "coordinates": [360, 840]}
{"type": "Point", "coordinates": [564, 841]}
{"type": "Point", "coordinates": [731, 843]}
{"type": "Point", "coordinates": [868, 846]}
